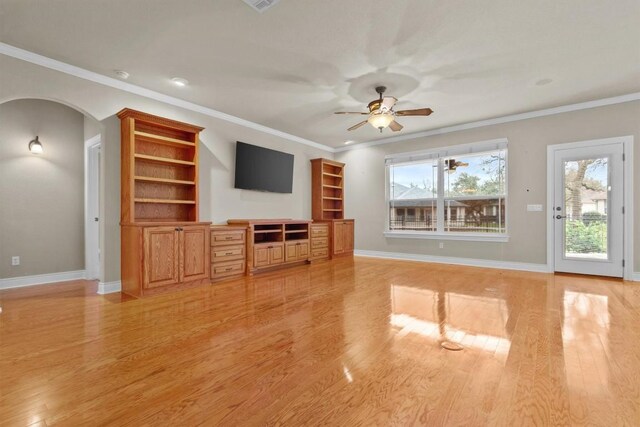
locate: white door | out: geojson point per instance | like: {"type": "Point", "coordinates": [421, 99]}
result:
{"type": "Point", "coordinates": [588, 210]}
{"type": "Point", "coordinates": [92, 224]}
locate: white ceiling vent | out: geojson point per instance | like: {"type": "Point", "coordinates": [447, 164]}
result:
{"type": "Point", "coordinates": [261, 5]}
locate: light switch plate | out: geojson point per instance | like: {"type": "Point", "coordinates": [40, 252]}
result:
{"type": "Point", "coordinates": [534, 208]}
{"type": "Point", "coordinates": [15, 260]}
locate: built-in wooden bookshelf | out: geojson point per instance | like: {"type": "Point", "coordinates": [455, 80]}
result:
{"type": "Point", "coordinates": [164, 247]}
{"type": "Point", "coordinates": [159, 169]}
{"type": "Point", "coordinates": [327, 189]}
{"type": "Point", "coordinates": [327, 206]}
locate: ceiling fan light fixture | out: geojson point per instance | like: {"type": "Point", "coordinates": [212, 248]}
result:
{"type": "Point", "coordinates": [380, 120]}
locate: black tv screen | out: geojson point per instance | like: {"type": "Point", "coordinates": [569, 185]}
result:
{"type": "Point", "coordinates": [262, 169]}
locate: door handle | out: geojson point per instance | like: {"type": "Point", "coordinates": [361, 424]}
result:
{"type": "Point", "coordinates": [95, 219]}
{"type": "Point", "coordinates": [560, 216]}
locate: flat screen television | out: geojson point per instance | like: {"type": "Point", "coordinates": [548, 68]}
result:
{"type": "Point", "coordinates": [262, 169]}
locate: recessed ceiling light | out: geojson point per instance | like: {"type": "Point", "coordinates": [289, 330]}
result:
{"type": "Point", "coordinates": [179, 81]}
{"type": "Point", "coordinates": [348, 142]}
{"type": "Point", "coordinates": [122, 74]}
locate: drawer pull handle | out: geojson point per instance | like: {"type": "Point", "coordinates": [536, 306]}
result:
{"type": "Point", "coordinates": [228, 269]}
{"type": "Point", "coordinates": [228, 237]}
{"type": "Point", "coordinates": [228, 253]}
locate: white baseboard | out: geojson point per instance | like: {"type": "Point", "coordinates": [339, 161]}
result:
{"type": "Point", "coordinates": [470, 262]}
{"type": "Point", "coordinates": [109, 287]}
{"type": "Point", "coordinates": [41, 279]}
{"type": "Point", "coordinates": [636, 276]}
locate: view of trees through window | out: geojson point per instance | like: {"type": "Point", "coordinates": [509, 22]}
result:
{"type": "Point", "coordinates": [586, 195]}
{"type": "Point", "coordinates": [472, 194]}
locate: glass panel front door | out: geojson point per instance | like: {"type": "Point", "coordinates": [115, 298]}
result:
{"type": "Point", "coordinates": [586, 189]}
{"type": "Point", "coordinates": [587, 213]}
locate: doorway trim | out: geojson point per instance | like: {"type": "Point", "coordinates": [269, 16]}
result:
{"type": "Point", "coordinates": [627, 251]}
{"type": "Point", "coordinates": [91, 182]}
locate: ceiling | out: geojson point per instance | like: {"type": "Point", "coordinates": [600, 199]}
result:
{"type": "Point", "coordinates": [292, 66]}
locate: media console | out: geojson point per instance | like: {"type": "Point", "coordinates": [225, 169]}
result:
{"type": "Point", "coordinates": [274, 243]}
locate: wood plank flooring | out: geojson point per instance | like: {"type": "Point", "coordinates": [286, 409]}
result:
{"type": "Point", "coordinates": [347, 342]}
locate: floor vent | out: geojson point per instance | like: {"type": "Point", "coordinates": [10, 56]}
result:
{"type": "Point", "coordinates": [451, 346]}
{"type": "Point", "coordinates": [261, 5]}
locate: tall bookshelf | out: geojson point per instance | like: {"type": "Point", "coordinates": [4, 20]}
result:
{"type": "Point", "coordinates": [163, 246]}
{"type": "Point", "coordinates": [327, 206]}
{"type": "Point", "coordinates": [327, 189]}
{"type": "Point", "coordinates": [159, 169]}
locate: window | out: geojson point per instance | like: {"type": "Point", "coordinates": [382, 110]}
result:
{"type": "Point", "coordinates": [456, 192]}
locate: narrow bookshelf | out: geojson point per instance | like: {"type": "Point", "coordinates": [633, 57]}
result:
{"type": "Point", "coordinates": [327, 180]}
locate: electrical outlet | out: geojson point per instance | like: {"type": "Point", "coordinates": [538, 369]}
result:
{"type": "Point", "coordinates": [441, 245]}
{"type": "Point", "coordinates": [15, 260]}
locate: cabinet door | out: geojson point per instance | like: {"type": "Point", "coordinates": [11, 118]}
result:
{"type": "Point", "coordinates": [348, 229]}
{"type": "Point", "coordinates": [261, 256]}
{"type": "Point", "coordinates": [161, 256]}
{"type": "Point", "coordinates": [338, 237]}
{"type": "Point", "coordinates": [302, 251]}
{"type": "Point", "coordinates": [194, 244]}
{"type": "Point", "coordinates": [291, 253]}
{"type": "Point", "coordinates": [276, 255]}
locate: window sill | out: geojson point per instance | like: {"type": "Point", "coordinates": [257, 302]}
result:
{"type": "Point", "coordinates": [476, 237]}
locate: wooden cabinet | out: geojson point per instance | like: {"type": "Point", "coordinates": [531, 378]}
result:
{"type": "Point", "coordinates": [319, 241]}
{"type": "Point", "coordinates": [162, 255]}
{"type": "Point", "coordinates": [228, 252]}
{"type": "Point", "coordinates": [194, 253]}
{"type": "Point", "coordinates": [274, 243]}
{"type": "Point", "coordinates": [297, 251]}
{"type": "Point", "coordinates": [160, 258]}
{"type": "Point", "coordinates": [343, 237]}
{"type": "Point", "coordinates": [268, 254]}
{"type": "Point", "coordinates": [164, 246]}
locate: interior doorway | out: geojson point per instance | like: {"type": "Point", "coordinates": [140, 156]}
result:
{"type": "Point", "coordinates": [92, 207]}
{"type": "Point", "coordinates": [589, 187]}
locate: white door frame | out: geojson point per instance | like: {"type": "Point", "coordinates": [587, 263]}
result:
{"type": "Point", "coordinates": [91, 195]}
{"type": "Point", "coordinates": [627, 142]}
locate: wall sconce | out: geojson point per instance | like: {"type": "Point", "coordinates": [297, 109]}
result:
{"type": "Point", "coordinates": [35, 146]}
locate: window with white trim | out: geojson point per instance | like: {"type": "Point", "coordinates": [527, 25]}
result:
{"type": "Point", "coordinates": [455, 191]}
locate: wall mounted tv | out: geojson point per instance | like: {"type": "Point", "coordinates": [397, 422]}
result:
{"type": "Point", "coordinates": [262, 169]}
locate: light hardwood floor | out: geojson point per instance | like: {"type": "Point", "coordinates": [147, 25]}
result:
{"type": "Point", "coordinates": [346, 342]}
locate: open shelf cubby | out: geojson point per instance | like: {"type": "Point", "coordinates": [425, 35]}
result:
{"type": "Point", "coordinates": [296, 231]}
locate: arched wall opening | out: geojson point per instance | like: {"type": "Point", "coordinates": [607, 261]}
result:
{"type": "Point", "coordinates": [44, 211]}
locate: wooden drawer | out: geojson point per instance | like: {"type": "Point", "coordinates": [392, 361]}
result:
{"type": "Point", "coordinates": [227, 237]}
{"type": "Point", "coordinates": [319, 253]}
{"type": "Point", "coordinates": [319, 230]}
{"type": "Point", "coordinates": [319, 242]}
{"type": "Point", "coordinates": [227, 253]}
{"type": "Point", "coordinates": [233, 268]}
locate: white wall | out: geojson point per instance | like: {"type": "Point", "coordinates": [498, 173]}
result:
{"type": "Point", "coordinates": [41, 196]}
{"type": "Point", "coordinates": [528, 140]}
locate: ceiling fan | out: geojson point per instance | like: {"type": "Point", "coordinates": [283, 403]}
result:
{"type": "Point", "coordinates": [453, 164]}
{"type": "Point", "coordinates": [381, 113]}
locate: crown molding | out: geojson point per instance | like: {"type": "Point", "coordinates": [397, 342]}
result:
{"type": "Point", "coordinates": [53, 64]}
{"type": "Point", "coordinates": [63, 67]}
{"type": "Point", "coordinates": [498, 120]}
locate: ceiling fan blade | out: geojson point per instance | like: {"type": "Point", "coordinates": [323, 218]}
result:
{"type": "Point", "coordinates": [388, 102]}
{"type": "Point", "coordinates": [354, 127]}
{"type": "Point", "coordinates": [350, 112]}
{"type": "Point", "coordinates": [417, 112]}
{"type": "Point", "coordinates": [395, 126]}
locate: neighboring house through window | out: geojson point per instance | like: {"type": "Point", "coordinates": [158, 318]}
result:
{"type": "Point", "coordinates": [456, 191]}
